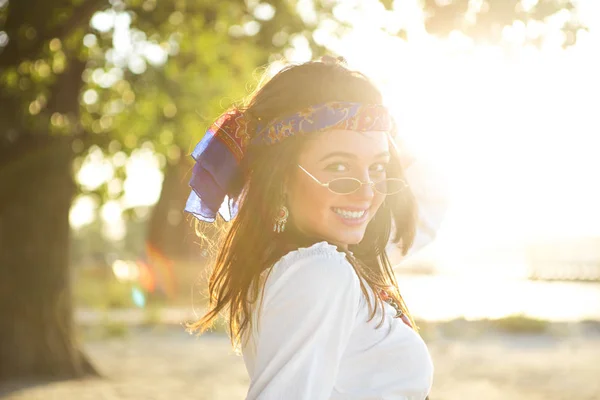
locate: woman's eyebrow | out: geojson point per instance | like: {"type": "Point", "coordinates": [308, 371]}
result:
{"type": "Point", "coordinates": [338, 154]}
{"type": "Point", "coordinates": [351, 155]}
{"type": "Point", "coordinates": [382, 155]}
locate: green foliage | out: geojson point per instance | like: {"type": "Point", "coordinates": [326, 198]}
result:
{"type": "Point", "coordinates": [460, 328]}
{"type": "Point", "coordinates": [96, 289]}
{"type": "Point", "coordinates": [473, 329]}
{"type": "Point", "coordinates": [152, 315]}
{"type": "Point", "coordinates": [519, 323]}
{"type": "Point", "coordinates": [203, 53]}
{"type": "Point", "coordinates": [427, 330]}
{"type": "Point", "coordinates": [114, 329]}
{"type": "Point", "coordinates": [205, 68]}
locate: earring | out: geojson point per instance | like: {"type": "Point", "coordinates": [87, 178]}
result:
{"type": "Point", "coordinates": [281, 219]}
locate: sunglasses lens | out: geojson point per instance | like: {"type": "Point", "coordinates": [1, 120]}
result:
{"type": "Point", "coordinates": [390, 186]}
{"type": "Point", "coordinates": [344, 185]}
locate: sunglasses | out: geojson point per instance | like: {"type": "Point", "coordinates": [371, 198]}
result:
{"type": "Point", "coordinates": [349, 185]}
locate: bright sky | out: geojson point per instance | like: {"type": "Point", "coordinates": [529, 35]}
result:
{"type": "Point", "coordinates": [514, 131]}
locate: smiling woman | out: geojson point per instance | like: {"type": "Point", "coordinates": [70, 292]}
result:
{"type": "Point", "coordinates": [309, 169]}
{"type": "Point", "coordinates": [339, 212]}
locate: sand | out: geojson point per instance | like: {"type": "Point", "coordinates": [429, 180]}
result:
{"type": "Point", "coordinates": [167, 363]}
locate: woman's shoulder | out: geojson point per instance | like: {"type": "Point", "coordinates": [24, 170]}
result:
{"type": "Point", "coordinates": [322, 260]}
{"type": "Point", "coordinates": [315, 275]}
{"type": "Point", "coordinates": [321, 250]}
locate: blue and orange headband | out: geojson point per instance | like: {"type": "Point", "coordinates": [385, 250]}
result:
{"type": "Point", "coordinates": [219, 153]}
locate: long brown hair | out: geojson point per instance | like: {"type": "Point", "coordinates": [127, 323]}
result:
{"type": "Point", "coordinates": [250, 246]}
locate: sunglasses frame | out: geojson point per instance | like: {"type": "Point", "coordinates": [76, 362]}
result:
{"type": "Point", "coordinates": [371, 183]}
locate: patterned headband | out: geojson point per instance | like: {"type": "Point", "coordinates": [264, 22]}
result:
{"type": "Point", "coordinates": [218, 155]}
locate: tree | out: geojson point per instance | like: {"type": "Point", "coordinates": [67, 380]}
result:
{"type": "Point", "coordinates": [46, 62]}
{"type": "Point", "coordinates": [213, 50]}
{"type": "Point", "coordinates": [484, 21]}
{"type": "Point", "coordinates": [40, 80]}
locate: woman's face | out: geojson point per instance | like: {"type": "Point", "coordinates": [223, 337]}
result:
{"type": "Point", "coordinates": [315, 210]}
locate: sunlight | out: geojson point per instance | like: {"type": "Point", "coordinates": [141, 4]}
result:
{"type": "Point", "coordinates": [475, 297]}
{"type": "Point", "coordinates": [82, 211]}
{"type": "Point", "coordinates": [514, 130]}
{"type": "Point", "coordinates": [95, 170]}
{"type": "Point", "coordinates": [144, 179]}
{"type": "Point", "coordinates": [141, 187]}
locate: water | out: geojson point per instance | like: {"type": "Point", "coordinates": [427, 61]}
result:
{"type": "Point", "coordinates": [448, 296]}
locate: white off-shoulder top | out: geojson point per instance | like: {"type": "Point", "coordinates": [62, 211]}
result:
{"type": "Point", "coordinates": [313, 342]}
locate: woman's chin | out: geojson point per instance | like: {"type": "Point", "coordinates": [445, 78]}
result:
{"type": "Point", "coordinates": [349, 238]}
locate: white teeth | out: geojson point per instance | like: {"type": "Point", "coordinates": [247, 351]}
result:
{"type": "Point", "coordinates": [349, 214]}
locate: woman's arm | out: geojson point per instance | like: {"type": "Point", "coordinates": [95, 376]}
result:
{"type": "Point", "coordinates": [307, 318]}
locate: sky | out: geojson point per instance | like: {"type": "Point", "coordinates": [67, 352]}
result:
{"type": "Point", "coordinates": [513, 128]}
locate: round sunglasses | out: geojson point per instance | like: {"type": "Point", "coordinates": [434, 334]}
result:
{"type": "Point", "coordinates": [349, 185]}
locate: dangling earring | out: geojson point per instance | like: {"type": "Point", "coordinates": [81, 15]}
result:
{"type": "Point", "coordinates": [281, 219]}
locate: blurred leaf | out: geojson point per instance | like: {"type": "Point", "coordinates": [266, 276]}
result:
{"type": "Point", "coordinates": [486, 23]}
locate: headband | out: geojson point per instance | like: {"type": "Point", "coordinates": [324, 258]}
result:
{"type": "Point", "coordinates": [216, 174]}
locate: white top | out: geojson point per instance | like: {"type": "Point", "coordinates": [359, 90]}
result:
{"type": "Point", "coordinates": [313, 341]}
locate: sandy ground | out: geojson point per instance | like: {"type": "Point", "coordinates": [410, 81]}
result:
{"type": "Point", "coordinates": [166, 363]}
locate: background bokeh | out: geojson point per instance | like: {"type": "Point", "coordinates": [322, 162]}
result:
{"type": "Point", "coordinates": [102, 101]}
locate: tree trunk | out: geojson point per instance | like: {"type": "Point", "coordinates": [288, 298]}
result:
{"type": "Point", "coordinates": [170, 231]}
{"type": "Point", "coordinates": [37, 334]}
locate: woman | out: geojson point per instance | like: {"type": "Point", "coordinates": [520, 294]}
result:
{"type": "Point", "coordinates": [309, 168]}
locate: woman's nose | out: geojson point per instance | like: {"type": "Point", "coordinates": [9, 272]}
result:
{"type": "Point", "coordinates": [366, 190]}
{"type": "Point", "coordinates": [364, 176]}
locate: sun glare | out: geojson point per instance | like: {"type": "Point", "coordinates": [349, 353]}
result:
{"type": "Point", "coordinates": [512, 127]}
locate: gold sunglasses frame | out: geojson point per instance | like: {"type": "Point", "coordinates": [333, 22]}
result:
{"type": "Point", "coordinates": [371, 183]}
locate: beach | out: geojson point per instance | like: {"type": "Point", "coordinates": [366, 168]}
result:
{"type": "Point", "coordinates": [164, 362]}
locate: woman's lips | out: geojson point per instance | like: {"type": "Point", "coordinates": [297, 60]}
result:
{"type": "Point", "coordinates": [351, 216]}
